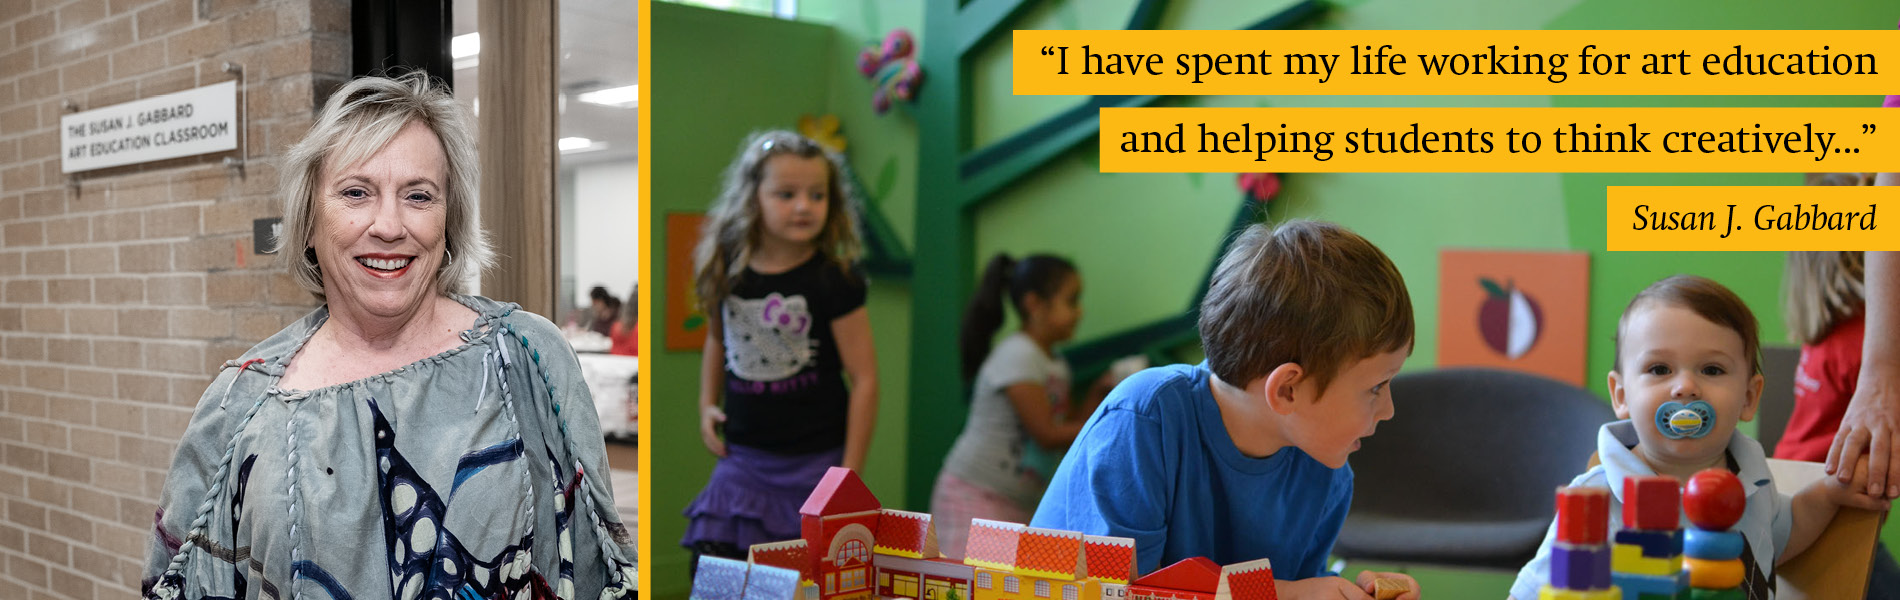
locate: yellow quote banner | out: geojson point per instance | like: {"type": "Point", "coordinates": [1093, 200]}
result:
{"type": "Point", "coordinates": [1499, 140]}
{"type": "Point", "coordinates": [1348, 62]}
{"type": "Point", "coordinates": [1752, 218]}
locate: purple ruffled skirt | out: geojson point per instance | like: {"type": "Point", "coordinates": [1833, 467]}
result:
{"type": "Point", "coordinates": [754, 496]}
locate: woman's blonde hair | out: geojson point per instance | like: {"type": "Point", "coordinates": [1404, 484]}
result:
{"type": "Point", "coordinates": [357, 121]}
{"type": "Point", "coordinates": [1821, 289]}
{"type": "Point", "coordinates": [733, 226]}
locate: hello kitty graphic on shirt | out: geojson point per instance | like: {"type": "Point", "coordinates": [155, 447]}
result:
{"type": "Point", "coordinates": [769, 339]}
{"type": "Point", "coordinates": [784, 380]}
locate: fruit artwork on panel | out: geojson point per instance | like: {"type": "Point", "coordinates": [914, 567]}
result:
{"type": "Point", "coordinates": [1508, 318]}
{"type": "Point", "coordinates": [1522, 310]}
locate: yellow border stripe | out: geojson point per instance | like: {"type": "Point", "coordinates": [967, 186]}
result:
{"type": "Point", "coordinates": [645, 313]}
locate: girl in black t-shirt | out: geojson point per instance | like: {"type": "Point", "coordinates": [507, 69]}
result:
{"type": "Point", "coordinates": [788, 328]}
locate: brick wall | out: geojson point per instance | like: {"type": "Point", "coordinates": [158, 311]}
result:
{"type": "Point", "coordinates": [122, 290]}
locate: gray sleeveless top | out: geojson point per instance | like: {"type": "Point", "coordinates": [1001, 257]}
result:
{"type": "Point", "coordinates": [478, 472]}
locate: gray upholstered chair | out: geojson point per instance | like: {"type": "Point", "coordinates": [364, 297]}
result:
{"type": "Point", "coordinates": [1464, 475]}
{"type": "Point", "coordinates": [1778, 364]}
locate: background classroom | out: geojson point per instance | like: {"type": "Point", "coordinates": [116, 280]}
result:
{"type": "Point", "coordinates": [718, 75]}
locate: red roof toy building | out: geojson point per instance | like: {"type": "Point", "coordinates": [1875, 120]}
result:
{"type": "Point", "coordinates": [839, 522]}
{"type": "Point", "coordinates": [1050, 553]}
{"type": "Point", "coordinates": [839, 492]}
{"type": "Point", "coordinates": [1251, 580]}
{"type": "Point", "coordinates": [1191, 579]}
{"type": "Point", "coordinates": [1110, 559]}
{"type": "Point", "coordinates": [1200, 579]}
{"type": "Point", "coordinates": [992, 544]}
{"type": "Point", "coordinates": [907, 534]}
{"type": "Point", "coordinates": [789, 554]}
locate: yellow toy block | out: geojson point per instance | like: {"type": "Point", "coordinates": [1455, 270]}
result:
{"type": "Point", "coordinates": [1389, 588]}
{"type": "Point", "coordinates": [1714, 574]}
{"type": "Point", "coordinates": [1551, 593]}
{"type": "Point", "coordinates": [1628, 558]}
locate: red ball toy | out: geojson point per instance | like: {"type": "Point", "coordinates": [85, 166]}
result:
{"type": "Point", "coordinates": [1713, 500]}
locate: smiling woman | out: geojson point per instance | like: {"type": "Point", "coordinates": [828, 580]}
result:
{"type": "Point", "coordinates": [374, 219]}
{"type": "Point", "coordinates": [330, 454]}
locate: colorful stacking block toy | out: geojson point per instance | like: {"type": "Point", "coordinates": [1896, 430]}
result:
{"type": "Point", "coordinates": [1646, 559]}
{"type": "Point", "coordinates": [1580, 559]}
{"type": "Point", "coordinates": [1713, 500]}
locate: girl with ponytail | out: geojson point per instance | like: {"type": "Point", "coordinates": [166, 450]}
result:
{"type": "Point", "coordinates": [1020, 392]}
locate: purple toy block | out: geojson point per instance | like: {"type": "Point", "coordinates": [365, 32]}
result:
{"type": "Point", "coordinates": [1576, 567]}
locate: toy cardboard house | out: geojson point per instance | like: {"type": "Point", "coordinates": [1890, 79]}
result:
{"type": "Point", "coordinates": [909, 564]}
{"type": "Point", "coordinates": [788, 555]}
{"type": "Point", "coordinates": [1016, 562]}
{"type": "Point", "coordinates": [839, 524]}
{"type": "Point", "coordinates": [726, 579]}
{"type": "Point", "coordinates": [852, 548]}
{"type": "Point", "coordinates": [1111, 561]}
{"type": "Point", "coordinates": [1200, 579]}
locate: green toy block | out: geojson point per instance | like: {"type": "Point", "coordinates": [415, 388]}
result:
{"type": "Point", "coordinates": [1724, 594]}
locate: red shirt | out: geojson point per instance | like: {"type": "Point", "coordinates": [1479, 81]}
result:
{"type": "Point", "coordinates": [1823, 384]}
{"type": "Point", "coordinates": [626, 338]}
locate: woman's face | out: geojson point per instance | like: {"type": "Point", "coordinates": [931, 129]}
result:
{"type": "Point", "coordinates": [380, 226]}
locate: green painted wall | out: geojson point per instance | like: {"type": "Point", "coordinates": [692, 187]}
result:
{"type": "Point", "coordinates": [1144, 241]}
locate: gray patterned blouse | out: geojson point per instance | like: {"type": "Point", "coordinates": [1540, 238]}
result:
{"type": "Point", "coordinates": [475, 473]}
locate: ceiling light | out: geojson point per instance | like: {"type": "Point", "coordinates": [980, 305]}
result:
{"type": "Point", "coordinates": [579, 144]}
{"type": "Point", "coordinates": [620, 97]}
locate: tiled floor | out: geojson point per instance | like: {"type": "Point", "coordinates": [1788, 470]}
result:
{"type": "Point", "coordinates": [623, 460]}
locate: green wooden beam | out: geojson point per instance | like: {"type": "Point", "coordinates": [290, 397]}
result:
{"type": "Point", "coordinates": [987, 171]}
{"type": "Point", "coordinates": [953, 182]}
{"type": "Point", "coordinates": [981, 19]}
{"type": "Point", "coordinates": [884, 253]}
{"type": "Point", "coordinates": [990, 169]}
{"type": "Point", "coordinates": [941, 256]}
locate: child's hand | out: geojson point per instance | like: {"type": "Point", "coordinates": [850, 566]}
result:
{"type": "Point", "coordinates": [1368, 578]}
{"type": "Point", "coordinates": [1321, 588]}
{"type": "Point", "coordinates": [1853, 493]}
{"type": "Point", "coordinates": [710, 418]}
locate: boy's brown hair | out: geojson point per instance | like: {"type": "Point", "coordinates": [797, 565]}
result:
{"type": "Point", "coordinates": [1710, 300]}
{"type": "Point", "coordinates": [1304, 292]}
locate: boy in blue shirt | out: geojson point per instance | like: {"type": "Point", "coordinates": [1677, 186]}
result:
{"type": "Point", "coordinates": [1243, 456]}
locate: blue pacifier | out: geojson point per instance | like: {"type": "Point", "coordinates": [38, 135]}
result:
{"type": "Point", "coordinates": [1677, 420]}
